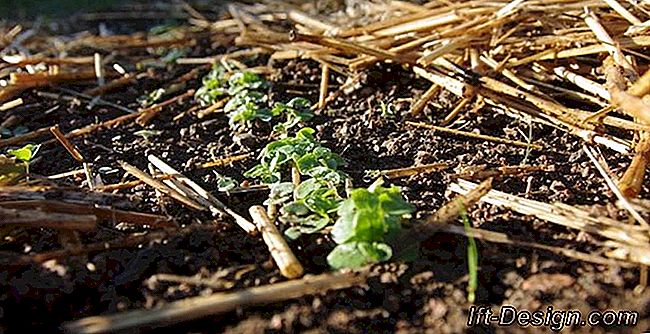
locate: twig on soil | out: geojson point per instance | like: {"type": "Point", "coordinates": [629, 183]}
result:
{"type": "Point", "coordinates": [627, 239]}
{"type": "Point", "coordinates": [26, 217]}
{"type": "Point", "coordinates": [104, 214]}
{"type": "Point", "coordinates": [324, 85]}
{"type": "Point", "coordinates": [122, 185]}
{"type": "Point", "coordinates": [212, 202]}
{"type": "Point", "coordinates": [503, 238]}
{"type": "Point", "coordinates": [419, 105]}
{"type": "Point", "coordinates": [482, 173]}
{"type": "Point", "coordinates": [11, 104]}
{"type": "Point", "coordinates": [447, 213]}
{"type": "Point", "coordinates": [226, 160]}
{"type": "Point", "coordinates": [212, 109]}
{"type": "Point", "coordinates": [197, 307]}
{"type": "Point", "coordinates": [158, 185]}
{"type": "Point", "coordinates": [71, 148]}
{"type": "Point", "coordinates": [591, 153]}
{"type": "Point", "coordinates": [409, 171]}
{"type": "Point", "coordinates": [286, 261]}
{"type": "Point", "coordinates": [147, 114]}
{"type": "Point", "coordinates": [475, 135]}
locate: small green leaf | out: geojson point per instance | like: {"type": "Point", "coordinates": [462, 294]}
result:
{"type": "Point", "coordinates": [357, 254]}
{"type": "Point", "coordinates": [224, 183]}
{"type": "Point", "coordinates": [25, 153]}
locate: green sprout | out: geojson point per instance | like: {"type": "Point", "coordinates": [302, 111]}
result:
{"type": "Point", "coordinates": [247, 100]}
{"type": "Point", "coordinates": [225, 183]}
{"type": "Point", "coordinates": [246, 106]}
{"type": "Point", "coordinates": [213, 86]}
{"type": "Point", "coordinates": [25, 154]}
{"type": "Point", "coordinates": [367, 219]}
{"type": "Point", "coordinates": [245, 81]}
{"type": "Point", "coordinates": [472, 257]}
{"type": "Point", "coordinates": [151, 98]}
{"type": "Point", "coordinates": [311, 205]}
{"type": "Point", "coordinates": [301, 151]}
{"type": "Point", "coordinates": [387, 110]}
{"type": "Point", "coordinates": [296, 111]}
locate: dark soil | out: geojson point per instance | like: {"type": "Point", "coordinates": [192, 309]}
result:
{"type": "Point", "coordinates": [424, 295]}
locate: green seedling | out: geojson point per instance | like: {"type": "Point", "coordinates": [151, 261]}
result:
{"type": "Point", "coordinates": [25, 154]}
{"type": "Point", "coordinates": [313, 207]}
{"type": "Point", "coordinates": [472, 257]}
{"type": "Point", "coordinates": [245, 81]}
{"type": "Point", "coordinates": [214, 86]}
{"type": "Point", "coordinates": [246, 107]}
{"type": "Point", "coordinates": [301, 151]}
{"type": "Point", "coordinates": [296, 111]}
{"type": "Point", "coordinates": [225, 183]}
{"type": "Point", "coordinates": [387, 110]}
{"type": "Point", "coordinates": [151, 98]}
{"type": "Point", "coordinates": [367, 219]}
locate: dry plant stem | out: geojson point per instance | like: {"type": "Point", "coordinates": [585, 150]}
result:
{"type": "Point", "coordinates": [503, 238]}
{"type": "Point", "coordinates": [149, 113]}
{"type": "Point", "coordinates": [284, 258]}
{"type": "Point", "coordinates": [454, 86]}
{"type": "Point", "coordinates": [324, 85]}
{"type": "Point", "coordinates": [99, 70]}
{"type": "Point", "coordinates": [75, 172]}
{"type": "Point", "coordinates": [499, 172]}
{"type": "Point", "coordinates": [446, 214]}
{"type": "Point", "coordinates": [158, 185]}
{"type": "Point", "coordinates": [197, 307]}
{"type": "Point", "coordinates": [591, 153]}
{"type": "Point", "coordinates": [594, 24]}
{"type": "Point", "coordinates": [37, 218]}
{"type": "Point", "coordinates": [458, 108]}
{"type": "Point", "coordinates": [24, 138]}
{"type": "Point", "coordinates": [582, 82]}
{"type": "Point", "coordinates": [642, 86]}
{"type": "Point", "coordinates": [112, 85]}
{"type": "Point", "coordinates": [630, 104]}
{"type": "Point", "coordinates": [104, 214]}
{"type": "Point", "coordinates": [623, 12]}
{"type": "Point", "coordinates": [562, 214]}
{"type": "Point", "coordinates": [625, 42]}
{"type": "Point", "coordinates": [214, 202]}
{"type": "Point", "coordinates": [11, 104]}
{"type": "Point", "coordinates": [72, 149]}
{"type": "Point", "coordinates": [87, 167]}
{"type": "Point", "coordinates": [123, 185]}
{"type": "Point", "coordinates": [26, 80]}
{"type": "Point", "coordinates": [632, 180]}
{"type": "Point", "coordinates": [226, 160]}
{"type": "Point", "coordinates": [212, 109]}
{"type": "Point", "coordinates": [422, 102]}
{"type": "Point", "coordinates": [307, 21]}
{"type": "Point", "coordinates": [475, 136]}
{"type": "Point", "coordinates": [414, 170]}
